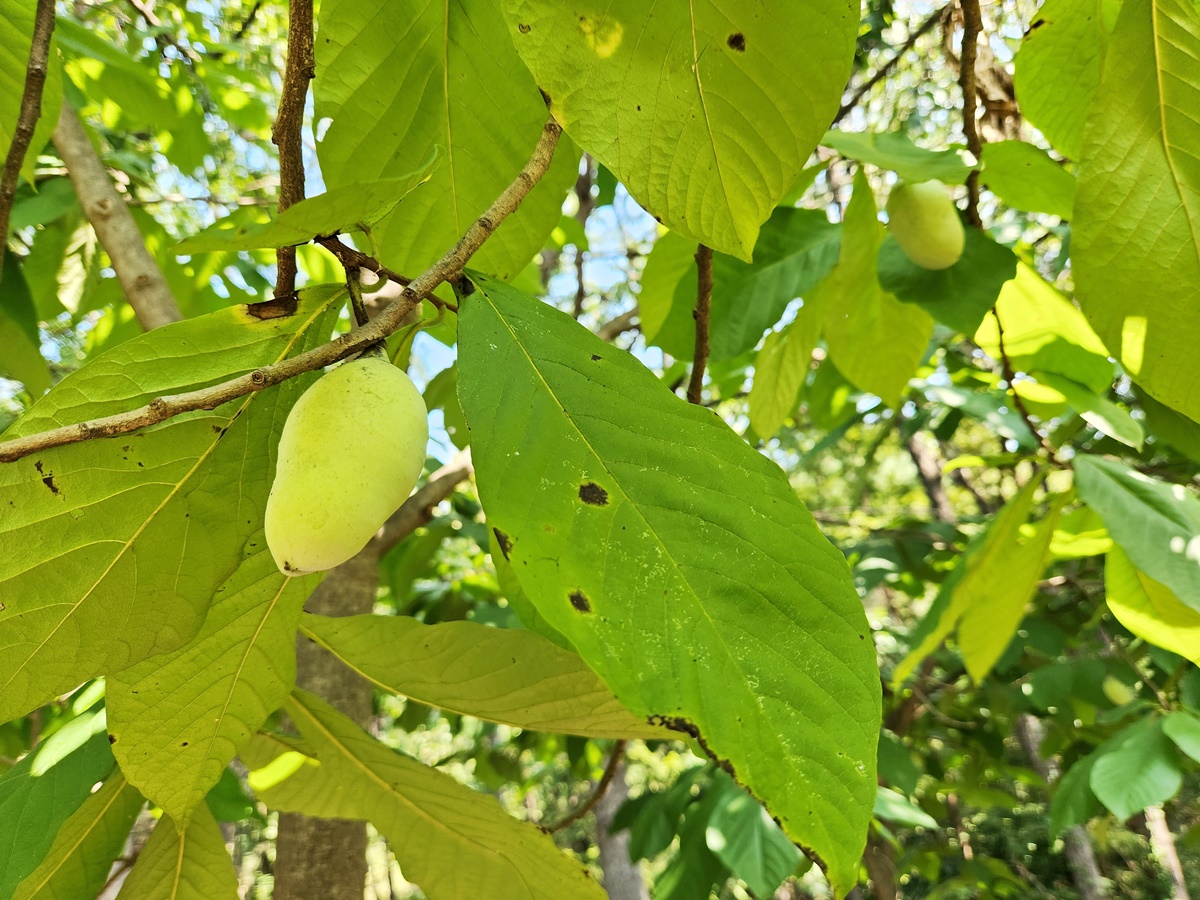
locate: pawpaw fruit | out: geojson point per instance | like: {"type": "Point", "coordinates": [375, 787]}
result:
{"type": "Point", "coordinates": [925, 223]}
{"type": "Point", "coordinates": [351, 451]}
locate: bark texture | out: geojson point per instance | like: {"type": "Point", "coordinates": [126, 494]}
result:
{"type": "Point", "coordinates": [145, 287]}
{"type": "Point", "coordinates": [622, 878]}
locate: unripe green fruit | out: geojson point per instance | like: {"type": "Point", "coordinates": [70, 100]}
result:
{"type": "Point", "coordinates": [925, 224]}
{"type": "Point", "coordinates": [351, 451]}
{"type": "Point", "coordinates": [1117, 691]}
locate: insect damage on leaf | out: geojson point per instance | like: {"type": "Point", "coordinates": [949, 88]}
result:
{"type": "Point", "coordinates": [580, 601]}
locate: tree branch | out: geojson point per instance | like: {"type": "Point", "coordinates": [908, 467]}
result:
{"type": "Point", "coordinates": [446, 268]}
{"type": "Point", "coordinates": [882, 71]}
{"type": "Point", "coordinates": [704, 289]}
{"type": "Point", "coordinates": [972, 27]}
{"type": "Point", "coordinates": [584, 808]}
{"type": "Point", "coordinates": [618, 325]}
{"type": "Point", "coordinates": [142, 280]}
{"type": "Point", "coordinates": [297, 73]}
{"type": "Point", "coordinates": [418, 509]}
{"type": "Point", "coordinates": [31, 109]}
{"type": "Point", "coordinates": [356, 259]}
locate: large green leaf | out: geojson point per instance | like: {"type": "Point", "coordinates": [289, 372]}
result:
{"type": "Point", "coordinates": [875, 340]}
{"type": "Point", "coordinates": [1043, 331]}
{"type": "Point", "coordinates": [1024, 177]}
{"type": "Point", "coordinates": [1138, 768]}
{"type": "Point", "coordinates": [959, 296]}
{"type": "Point", "coordinates": [1058, 67]}
{"type": "Point", "coordinates": [78, 863]}
{"type": "Point", "coordinates": [679, 563]}
{"type": "Point", "coordinates": [16, 36]}
{"type": "Point", "coordinates": [1183, 728]}
{"type": "Point", "coordinates": [20, 344]}
{"type": "Point", "coordinates": [742, 836]}
{"type": "Point", "coordinates": [40, 793]}
{"type": "Point", "coordinates": [1136, 242]}
{"type": "Point", "coordinates": [177, 719]}
{"type": "Point", "coordinates": [399, 77]}
{"type": "Point", "coordinates": [796, 249]}
{"type": "Point", "coordinates": [1098, 411]}
{"type": "Point", "coordinates": [892, 150]}
{"type": "Point", "coordinates": [670, 259]}
{"type": "Point", "coordinates": [706, 110]}
{"type": "Point", "coordinates": [448, 839]}
{"type": "Point", "coordinates": [1000, 588]}
{"type": "Point", "coordinates": [780, 369]}
{"type": "Point", "coordinates": [893, 806]}
{"type": "Point", "coordinates": [503, 675]}
{"type": "Point", "coordinates": [136, 532]}
{"type": "Point", "coordinates": [1156, 524]}
{"type": "Point", "coordinates": [982, 576]}
{"type": "Point", "coordinates": [353, 207]}
{"type": "Point", "coordinates": [183, 865]}
{"type": "Point", "coordinates": [1148, 609]}
{"type": "Point", "coordinates": [1073, 802]}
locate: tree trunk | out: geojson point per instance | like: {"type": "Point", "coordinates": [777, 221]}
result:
{"type": "Point", "coordinates": [622, 878]}
{"type": "Point", "coordinates": [1076, 843]}
{"type": "Point", "coordinates": [327, 858]}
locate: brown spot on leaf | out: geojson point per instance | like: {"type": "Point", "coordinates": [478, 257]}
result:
{"type": "Point", "coordinates": [545, 97]}
{"type": "Point", "coordinates": [580, 601]}
{"type": "Point", "coordinates": [523, 28]}
{"type": "Point", "coordinates": [596, 357]}
{"type": "Point", "coordinates": [592, 494]}
{"type": "Point", "coordinates": [112, 738]}
{"type": "Point", "coordinates": [737, 41]}
{"type": "Point", "coordinates": [504, 541]}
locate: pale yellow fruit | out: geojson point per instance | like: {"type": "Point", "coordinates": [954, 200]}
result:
{"type": "Point", "coordinates": [1117, 691]}
{"type": "Point", "coordinates": [351, 451]}
{"type": "Point", "coordinates": [925, 224]}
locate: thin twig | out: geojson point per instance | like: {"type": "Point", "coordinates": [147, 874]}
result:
{"type": "Point", "coordinates": [356, 259]}
{"type": "Point", "coordinates": [388, 321]}
{"type": "Point", "coordinates": [247, 23]}
{"type": "Point", "coordinates": [618, 325]}
{"type": "Point", "coordinates": [887, 67]}
{"type": "Point", "coordinates": [610, 772]}
{"type": "Point", "coordinates": [704, 289]}
{"type": "Point", "coordinates": [145, 287]}
{"type": "Point", "coordinates": [972, 28]}
{"type": "Point", "coordinates": [1010, 377]}
{"type": "Point", "coordinates": [31, 109]}
{"type": "Point", "coordinates": [297, 73]}
{"type": "Point", "coordinates": [418, 509]}
{"type": "Point", "coordinates": [354, 288]}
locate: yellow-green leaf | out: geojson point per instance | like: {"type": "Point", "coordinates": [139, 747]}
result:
{"type": "Point", "coordinates": [502, 675]}
{"type": "Point", "coordinates": [706, 110]}
{"type": "Point", "coordinates": [448, 839]}
{"type": "Point", "coordinates": [1149, 609]}
{"type": "Point", "coordinates": [1135, 245]}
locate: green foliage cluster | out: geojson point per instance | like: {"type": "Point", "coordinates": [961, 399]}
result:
{"type": "Point", "coordinates": [908, 603]}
